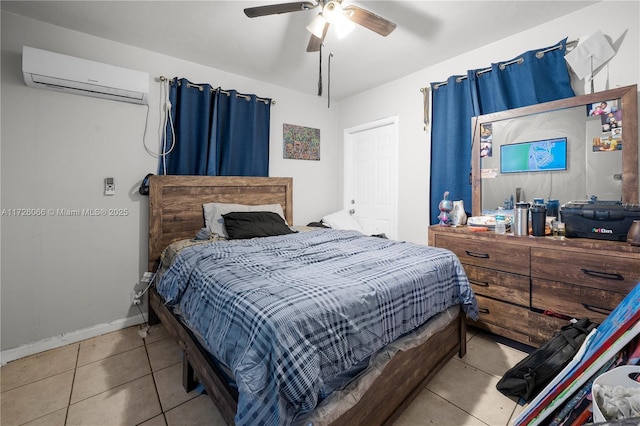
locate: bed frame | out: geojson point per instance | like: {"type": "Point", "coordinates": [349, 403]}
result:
{"type": "Point", "coordinates": [175, 213]}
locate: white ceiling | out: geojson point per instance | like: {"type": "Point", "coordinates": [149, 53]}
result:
{"type": "Point", "coordinates": [273, 48]}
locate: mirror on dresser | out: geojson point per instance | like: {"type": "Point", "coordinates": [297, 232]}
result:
{"type": "Point", "coordinates": [594, 152]}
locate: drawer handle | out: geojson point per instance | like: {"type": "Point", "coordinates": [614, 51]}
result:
{"type": "Point", "coordinates": [605, 275]}
{"type": "Point", "coordinates": [479, 283]}
{"type": "Point", "coordinates": [483, 310]}
{"type": "Point", "coordinates": [479, 255]}
{"type": "Point", "coordinates": [596, 309]}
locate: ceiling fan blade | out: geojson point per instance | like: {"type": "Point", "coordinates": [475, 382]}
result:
{"type": "Point", "coordinates": [315, 42]}
{"type": "Point", "coordinates": [369, 20]}
{"type": "Point", "coordinates": [274, 9]}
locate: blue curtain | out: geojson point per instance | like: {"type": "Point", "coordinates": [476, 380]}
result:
{"type": "Point", "coordinates": [188, 133]}
{"type": "Point", "coordinates": [528, 79]}
{"type": "Point", "coordinates": [242, 134]}
{"type": "Point", "coordinates": [451, 145]}
{"type": "Point", "coordinates": [214, 132]}
{"type": "Point", "coordinates": [536, 76]}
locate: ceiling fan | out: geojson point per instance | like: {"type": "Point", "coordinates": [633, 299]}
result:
{"type": "Point", "coordinates": [332, 12]}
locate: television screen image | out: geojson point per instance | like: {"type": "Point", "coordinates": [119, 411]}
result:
{"type": "Point", "coordinates": [538, 156]}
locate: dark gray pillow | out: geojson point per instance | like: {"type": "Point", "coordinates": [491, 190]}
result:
{"type": "Point", "coordinates": [241, 225]}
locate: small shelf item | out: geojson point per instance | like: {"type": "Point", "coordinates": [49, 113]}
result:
{"type": "Point", "coordinates": [445, 207]}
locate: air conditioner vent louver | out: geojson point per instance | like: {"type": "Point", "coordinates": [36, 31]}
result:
{"type": "Point", "coordinates": [55, 71]}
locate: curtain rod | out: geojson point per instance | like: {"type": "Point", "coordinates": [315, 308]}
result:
{"type": "Point", "coordinates": [239, 95]}
{"type": "Point", "coordinates": [503, 65]}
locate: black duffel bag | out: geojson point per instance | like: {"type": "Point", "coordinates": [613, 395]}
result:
{"type": "Point", "coordinates": [527, 378]}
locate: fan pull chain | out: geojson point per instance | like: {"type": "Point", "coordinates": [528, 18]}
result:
{"type": "Point", "coordinates": [329, 82]}
{"type": "Point", "coordinates": [320, 73]}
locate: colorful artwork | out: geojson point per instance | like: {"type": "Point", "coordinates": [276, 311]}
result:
{"type": "Point", "coordinates": [610, 114]}
{"type": "Point", "coordinates": [617, 330]}
{"type": "Point", "coordinates": [486, 140]}
{"type": "Point", "coordinates": [301, 143]}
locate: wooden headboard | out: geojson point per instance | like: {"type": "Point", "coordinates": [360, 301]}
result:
{"type": "Point", "coordinates": [175, 203]}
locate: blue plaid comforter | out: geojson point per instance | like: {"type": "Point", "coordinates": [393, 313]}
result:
{"type": "Point", "coordinates": [288, 313]}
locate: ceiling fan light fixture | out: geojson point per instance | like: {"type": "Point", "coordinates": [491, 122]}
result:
{"type": "Point", "coordinates": [316, 27]}
{"type": "Point", "coordinates": [343, 26]}
{"type": "Point", "coordinates": [332, 11]}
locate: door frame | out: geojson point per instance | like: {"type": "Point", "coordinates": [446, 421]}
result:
{"type": "Point", "coordinates": [348, 136]}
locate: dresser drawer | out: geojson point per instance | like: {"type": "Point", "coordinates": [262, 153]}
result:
{"type": "Point", "coordinates": [573, 300]}
{"type": "Point", "coordinates": [542, 327]}
{"type": "Point", "coordinates": [516, 279]}
{"type": "Point", "coordinates": [503, 314]}
{"type": "Point", "coordinates": [596, 270]}
{"type": "Point", "coordinates": [503, 256]}
{"type": "Point", "coordinates": [506, 286]}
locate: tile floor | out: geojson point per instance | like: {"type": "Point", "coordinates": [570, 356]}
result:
{"type": "Point", "coordinates": [122, 379]}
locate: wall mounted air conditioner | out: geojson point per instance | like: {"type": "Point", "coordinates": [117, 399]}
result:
{"type": "Point", "coordinates": [55, 71]}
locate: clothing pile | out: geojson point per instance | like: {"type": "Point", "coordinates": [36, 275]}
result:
{"type": "Point", "coordinates": [617, 402]}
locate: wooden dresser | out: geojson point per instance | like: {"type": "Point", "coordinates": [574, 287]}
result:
{"type": "Point", "coordinates": [517, 279]}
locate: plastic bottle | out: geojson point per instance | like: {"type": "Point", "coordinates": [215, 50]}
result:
{"type": "Point", "coordinates": [559, 230]}
{"type": "Point", "coordinates": [501, 227]}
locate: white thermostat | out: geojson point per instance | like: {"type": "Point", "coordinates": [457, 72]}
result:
{"type": "Point", "coordinates": [109, 186]}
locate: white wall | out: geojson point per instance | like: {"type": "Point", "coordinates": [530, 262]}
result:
{"type": "Point", "coordinates": [617, 19]}
{"type": "Point", "coordinates": [64, 274]}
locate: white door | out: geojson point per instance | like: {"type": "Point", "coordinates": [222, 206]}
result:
{"type": "Point", "coordinates": [371, 176]}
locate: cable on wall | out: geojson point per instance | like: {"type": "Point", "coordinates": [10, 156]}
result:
{"type": "Point", "coordinates": [165, 114]}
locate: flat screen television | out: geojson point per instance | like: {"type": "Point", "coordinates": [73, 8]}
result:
{"type": "Point", "coordinates": [537, 156]}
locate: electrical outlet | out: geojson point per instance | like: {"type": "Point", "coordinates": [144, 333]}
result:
{"type": "Point", "coordinates": [135, 299]}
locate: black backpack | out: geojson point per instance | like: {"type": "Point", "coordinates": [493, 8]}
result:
{"type": "Point", "coordinates": [527, 378]}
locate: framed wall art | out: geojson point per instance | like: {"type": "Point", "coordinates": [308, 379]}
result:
{"type": "Point", "coordinates": [301, 143]}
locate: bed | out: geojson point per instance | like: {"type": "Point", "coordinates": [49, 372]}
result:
{"type": "Point", "coordinates": [397, 371]}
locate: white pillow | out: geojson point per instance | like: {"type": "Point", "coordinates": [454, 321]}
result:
{"type": "Point", "coordinates": [213, 214]}
{"type": "Point", "coordinates": [342, 220]}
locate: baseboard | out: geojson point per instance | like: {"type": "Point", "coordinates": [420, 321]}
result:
{"type": "Point", "coordinates": [68, 338]}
